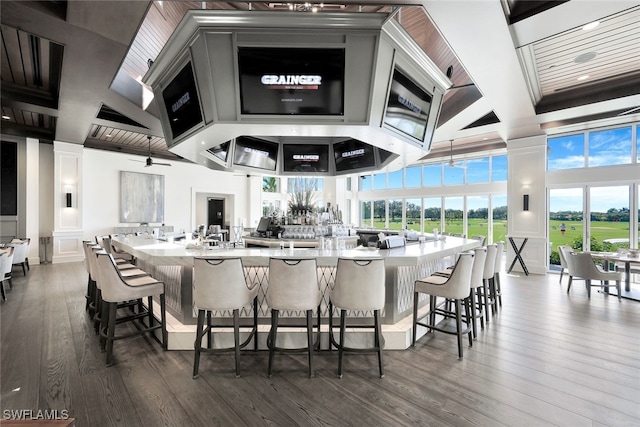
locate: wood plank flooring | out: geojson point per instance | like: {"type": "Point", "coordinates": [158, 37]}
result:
{"type": "Point", "coordinates": [548, 358]}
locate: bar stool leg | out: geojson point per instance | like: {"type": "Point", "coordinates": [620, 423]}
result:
{"type": "Point", "coordinates": [310, 341]}
{"type": "Point", "coordinates": [459, 327]}
{"type": "Point", "coordinates": [472, 313]}
{"type": "Point", "coordinates": [163, 320]}
{"type": "Point", "coordinates": [467, 310]}
{"type": "Point", "coordinates": [255, 323]}
{"type": "Point", "coordinates": [485, 291]}
{"type": "Point", "coordinates": [236, 339]}
{"type": "Point", "coordinates": [111, 331]}
{"type": "Point", "coordinates": [415, 318]}
{"type": "Point", "coordinates": [341, 348]}
{"type": "Point", "coordinates": [150, 311]}
{"type": "Point", "coordinates": [198, 343]}
{"type": "Point", "coordinates": [271, 340]}
{"type": "Point", "coordinates": [209, 335]}
{"type": "Point", "coordinates": [378, 340]}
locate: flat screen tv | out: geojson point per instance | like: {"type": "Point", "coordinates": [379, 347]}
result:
{"type": "Point", "coordinates": [291, 81]}
{"type": "Point", "coordinates": [353, 154]}
{"type": "Point", "coordinates": [305, 158]}
{"type": "Point", "coordinates": [182, 103]}
{"type": "Point", "coordinates": [263, 225]}
{"type": "Point", "coordinates": [220, 151]}
{"type": "Point", "coordinates": [255, 153]}
{"type": "Point", "coordinates": [407, 107]}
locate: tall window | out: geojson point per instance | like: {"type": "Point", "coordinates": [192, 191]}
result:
{"type": "Point", "coordinates": [499, 203]}
{"type": "Point", "coordinates": [432, 175]}
{"type": "Point", "coordinates": [365, 182]}
{"type": "Point", "coordinates": [380, 181]}
{"type": "Point", "coordinates": [453, 215]}
{"type": "Point", "coordinates": [412, 214]}
{"type": "Point", "coordinates": [432, 207]}
{"type": "Point", "coordinates": [365, 214]}
{"type": "Point", "coordinates": [478, 216]}
{"type": "Point", "coordinates": [270, 184]}
{"type": "Point", "coordinates": [565, 219]}
{"type": "Point", "coordinates": [395, 214]}
{"type": "Point", "coordinates": [379, 213]}
{"type": "Point", "coordinates": [453, 175]}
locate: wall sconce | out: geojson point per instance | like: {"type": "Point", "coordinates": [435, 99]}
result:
{"type": "Point", "coordinates": [69, 200]}
{"type": "Point", "coordinates": [525, 202]}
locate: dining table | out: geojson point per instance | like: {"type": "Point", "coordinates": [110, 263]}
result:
{"type": "Point", "coordinates": [628, 260]}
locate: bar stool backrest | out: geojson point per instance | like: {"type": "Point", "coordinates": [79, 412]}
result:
{"type": "Point", "coordinates": [220, 284]}
{"type": "Point", "coordinates": [458, 285]}
{"type": "Point", "coordinates": [114, 288]}
{"type": "Point", "coordinates": [359, 284]}
{"type": "Point", "coordinates": [93, 251]}
{"type": "Point", "coordinates": [499, 252]}
{"type": "Point", "coordinates": [479, 258]}
{"type": "Point", "coordinates": [490, 261]}
{"type": "Point", "coordinates": [293, 284]}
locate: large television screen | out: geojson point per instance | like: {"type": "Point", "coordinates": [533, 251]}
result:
{"type": "Point", "coordinates": [305, 158]}
{"type": "Point", "coordinates": [353, 154]}
{"type": "Point", "coordinates": [407, 107]}
{"type": "Point", "coordinates": [289, 81]}
{"type": "Point", "coordinates": [182, 103]}
{"type": "Point", "coordinates": [220, 151]}
{"type": "Point", "coordinates": [255, 153]}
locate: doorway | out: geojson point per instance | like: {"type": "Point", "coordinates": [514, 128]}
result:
{"type": "Point", "coordinates": [215, 212]}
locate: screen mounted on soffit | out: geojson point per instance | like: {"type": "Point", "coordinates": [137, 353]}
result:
{"type": "Point", "coordinates": [291, 81]}
{"type": "Point", "coordinates": [407, 107]}
{"type": "Point", "coordinates": [181, 102]}
{"type": "Point", "coordinates": [305, 158]}
{"type": "Point", "coordinates": [351, 155]}
{"type": "Point", "coordinates": [255, 153]}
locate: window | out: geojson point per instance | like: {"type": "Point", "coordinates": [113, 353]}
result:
{"type": "Point", "coordinates": [395, 179]}
{"type": "Point", "coordinates": [498, 168]}
{"type": "Point", "coordinates": [432, 175]}
{"type": "Point", "coordinates": [432, 207]}
{"type": "Point", "coordinates": [379, 213]}
{"type": "Point", "coordinates": [453, 215]}
{"type": "Point", "coordinates": [454, 175]}
{"type": "Point", "coordinates": [412, 176]}
{"type": "Point", "coordinates": [499, 203]}
{"type": "Point", "coordinates": [478, 170]}
{"type": "Point", "coordinates": [365, 183]}
{"type": "Point", "coordinates": [565, 152]}
{"type": "Point", "coordinates": [412, 213]}
{"type": "Point", "coordinates": [395, 214]}
{"type": "Point", "coordinates": [610, 147]}
{"type": "Point", "coordinates": [379, 181]}
{"type": "Point", "coordinates": [478, 216]}
{"type": "Point", "coordinates": [365, 213]}
{"type": "Point", "coordinates": [270, 184]}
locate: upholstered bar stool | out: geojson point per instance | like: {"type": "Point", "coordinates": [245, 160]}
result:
{"type": "Point", "coordinates": [489, 267]}
{"type": "Point", "coordinates": [87, 247]}
{"type": "Point", "coordinates": [116, 289]}
{"type": "Point", "coordinates": [359, 285]}
{"type": "Point", "coordinates": [220, 284]}
{"type": "Point", "coordinates": [293, 286]}
{"type": "Point", "coordinates": [497, 288]}
{"type": "Point", "coordinates": [455, 287]}
{"type": "Point", "coordinates": [479, 257]}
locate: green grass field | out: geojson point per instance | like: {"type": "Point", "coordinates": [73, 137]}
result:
{"type": "Point", "coordinates": [600, 230]}
{"type": "Point", "coordinates": [477, 227]}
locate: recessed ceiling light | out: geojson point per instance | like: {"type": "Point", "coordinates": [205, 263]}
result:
{"type": "Point", "coordinates": [202, 142]}
{"type": "Point", "coordinates": [591, 25]}
{"type": "Point", "coordinates": [585, 57]}
{"type": "Point", "coordinates": [585, 77]}
{"type": "Point", "coordinates": [6, 117]}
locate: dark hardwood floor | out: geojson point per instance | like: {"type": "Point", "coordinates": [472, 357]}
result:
{"type": "Point", "coordinates": [547, 358]}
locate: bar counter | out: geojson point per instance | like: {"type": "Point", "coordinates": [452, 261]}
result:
{"type": "Point", "coordinates": [172, 262]}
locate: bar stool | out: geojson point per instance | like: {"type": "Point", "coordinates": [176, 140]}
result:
{"type": "Point", "coordinates": [87, 247]}
{"type": "Point", "coordinates": [220, 284]}
{"type": "Point", "coordinates": [455, 287]}
{"type": "Point", "coordinates": [497, 296]}
{"type": "Point", "coordinates": [359, 285]}
{"type": "Point", "coordinates": [477, 271]}
{"type": "Point", "coordinates": [487, 275]}
{"type": "Point", "coordinates": [293, 285]}
{"type": "Point", "coordinates": [115, 289]}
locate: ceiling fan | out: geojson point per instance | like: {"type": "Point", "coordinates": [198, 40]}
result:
{"type": "Point", "coordinates": [452, 163]}
{"type": "Point", "coordinates": [149, 161]}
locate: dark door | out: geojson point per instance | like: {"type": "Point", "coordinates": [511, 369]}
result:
{"type": "Point", "coordinates": [215, 212]}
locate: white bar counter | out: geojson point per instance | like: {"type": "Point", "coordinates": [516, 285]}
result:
{"type": "Point", "coordinates": [172, 262]}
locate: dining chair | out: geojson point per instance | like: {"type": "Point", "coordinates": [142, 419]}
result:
{"type": "Point", "coordinates": [582, 265]}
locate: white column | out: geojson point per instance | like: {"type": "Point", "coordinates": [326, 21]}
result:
{"type": "Point", "coordinates": [32, 213]}
{"type": "Point", "coordinates": [527, 176]}
{"type": "Point", "coordinates": [67, 233]}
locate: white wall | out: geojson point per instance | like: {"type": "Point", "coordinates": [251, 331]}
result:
{"type": "Point", "coordinates": [183, 182]}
